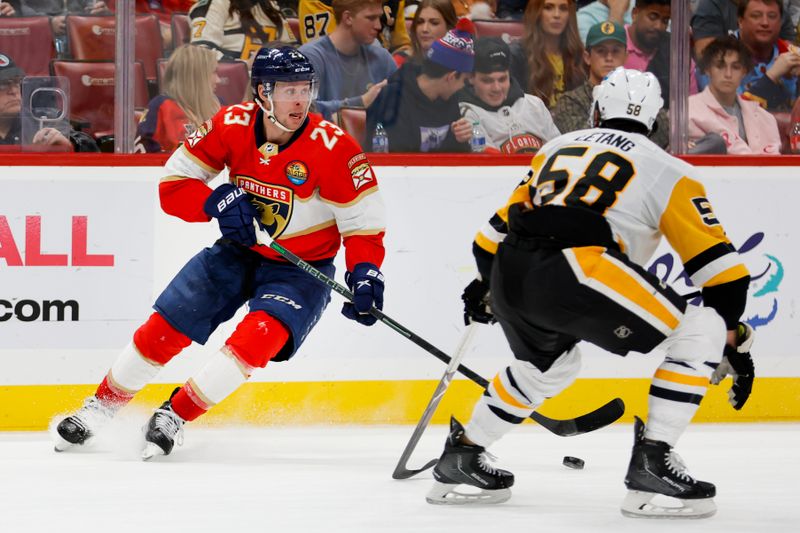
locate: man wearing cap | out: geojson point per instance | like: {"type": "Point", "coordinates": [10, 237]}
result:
{"type": "Point", "coordinates": [510, 120]}
{"type": "Point", "coordinates": [11, 124]}
{"type": "Point", "coordinates": [606, 49]}
{"type": "Point", "coordinates": [417, 108]}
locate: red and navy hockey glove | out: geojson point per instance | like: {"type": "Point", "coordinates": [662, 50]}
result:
{"type": "Point", "coordinates": [738, 363]}
{"type": "Point", "coordinates": [231, 206]}
{"type": "Point", "coordinates": [366, 282]}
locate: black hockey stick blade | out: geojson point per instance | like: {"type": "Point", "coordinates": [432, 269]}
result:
{"type": "Point", "coordinates": [599, 418]}
{"type": "Point", "coordinates": [401, 472]}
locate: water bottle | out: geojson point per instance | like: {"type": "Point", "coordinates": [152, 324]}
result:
{"type": "Point", "coordinates": [380, 140]}
{"type": "Point", "coordinates": [794, 138]}
{"type": "Point", "coordinates": [478, 141]}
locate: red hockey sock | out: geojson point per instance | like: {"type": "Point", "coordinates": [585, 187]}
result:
{"type": "Point", "coordinates": [110, 395]}
{"type": "Point", "coordinates": [184, 406]}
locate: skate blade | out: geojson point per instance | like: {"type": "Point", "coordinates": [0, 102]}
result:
{"type": "Point", "coordinates": [61, 444]}
{"type": "Point", "coordinates": [447, 494]}
{"type": "Point", "coordinates": [638, 504]}
{"type": "Point", "coordinates": [151, 450]}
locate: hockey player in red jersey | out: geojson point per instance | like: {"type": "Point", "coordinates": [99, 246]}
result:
{"type": "Point", "coordinates": [564, 260]}
{"type": "Point", "coordinates": [305, 181]}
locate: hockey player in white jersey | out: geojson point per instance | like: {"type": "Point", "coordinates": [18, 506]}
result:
{"type": "Point", "coordinates": [565, 262]}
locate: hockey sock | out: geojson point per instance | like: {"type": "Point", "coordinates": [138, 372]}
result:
{"type": "Point", "coordinates": [257, 339]}
{"type": "Point", "coordinates": [675, 394]}
{"type": "Point", "coordinates": [154, 344]}
{"type": "Point", "coordinates": [515, 393]}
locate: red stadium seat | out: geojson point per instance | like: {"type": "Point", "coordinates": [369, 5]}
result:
{"type": "Point", "coordinates": [29, 42]}
{"type": "Point", "coordinates": [181, 29]}
{"type": "Point", "coordinates": [91, 96]}
{"type": "Point", "coordinates": [234, 79]}
{"type": "Point", "coordinates": [294, 25]}
{"type": "Point", "coordinates": [353, 120]}
{"type": "Point", "coordinates": [94, 38]}
{"type": "Point", "coordinates": [510, 30]}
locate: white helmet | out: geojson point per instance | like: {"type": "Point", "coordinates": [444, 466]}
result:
{"type": "Point", "coordinates": [628, 94]}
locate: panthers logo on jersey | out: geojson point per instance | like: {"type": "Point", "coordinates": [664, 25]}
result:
{"type": "Point", "coordinates": [273, 202]}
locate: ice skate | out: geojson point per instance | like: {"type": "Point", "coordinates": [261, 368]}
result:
{"type": "Point", "coordinates": [657, 470]}
{"type": "Point", "coordinates": [466, 464]}
{"type": "Point", "coordinates": [84, 424]}
{"type": "Point", "coordinates": [163, 431]}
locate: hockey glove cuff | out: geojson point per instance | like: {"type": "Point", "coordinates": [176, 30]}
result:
{"type": "Point", "coordinates": [366, 282]}
{"type": "Point", "coordinates": [476, 303]}
{"type": "Point", "coordinates": [231, 206]}
{"type": "Point", "coordinates": [738, 363]}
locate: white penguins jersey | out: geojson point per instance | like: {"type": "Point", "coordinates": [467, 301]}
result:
{"type": "Point", "coordinates": [643, 193]}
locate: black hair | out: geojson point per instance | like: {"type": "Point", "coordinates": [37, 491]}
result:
{"type": "Point", "coordinates": [434, 70]}
{"type": "Point", "coordinates": [630, 126]}
{"type": "Point", "coordinates": [644, 3]}
{"type": "Point", "coordinates": [717, 49]}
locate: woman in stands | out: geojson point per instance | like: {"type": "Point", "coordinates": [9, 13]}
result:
{"type": "Point", "coordinates": [548, 61]}
{"type": "Point", "coordinates": [184, 104]}
{"type": "Point", "coordinates": [432, 20]}
{"type": "Point", "coordinates": [236, 29]}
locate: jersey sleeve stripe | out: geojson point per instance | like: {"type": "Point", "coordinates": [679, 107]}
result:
{"type": "Point", "coordinates": [728, 265]}
{"type": "Point", "coordinates": [707, 256]}
{"type": "Point", "coordinates": [486, 243]}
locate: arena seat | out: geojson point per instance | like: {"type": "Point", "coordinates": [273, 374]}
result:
{"type": "Point", "coordinates": [353, 120]}
{"type": "Point", "coordinates": [294, 25]}
{"type": "Point", "coordinates": [29, 42]}
{"type": "Point", "coordinates": [181, 29]}
{"type": "Point", "coordinates": [91, 97]}
{"type": "Point", "coordinates": [93, 38]}
{"type": "Point", "coordinates": [509, 30]}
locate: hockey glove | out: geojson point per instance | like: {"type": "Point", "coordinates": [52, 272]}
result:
{"type": "Point", "coordinates": [366, 282]}
{"type": "Point", "coordinates": [738, 363]}
{"type": "Point", "coordinates": [231, 206]}
{"type": "Point", "coordinates": [476, 303]}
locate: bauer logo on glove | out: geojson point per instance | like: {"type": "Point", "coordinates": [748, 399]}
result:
{"type": "Point", "coordinates": [366, 282]}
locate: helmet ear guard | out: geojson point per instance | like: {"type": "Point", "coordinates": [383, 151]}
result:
{"type": "Point", "coordinates": [627, 94]}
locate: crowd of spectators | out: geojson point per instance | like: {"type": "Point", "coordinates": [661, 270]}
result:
{"type": "Point", "coordinates": [433, 81]}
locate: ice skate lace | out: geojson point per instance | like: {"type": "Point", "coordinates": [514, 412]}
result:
{"type": "Point", "coordinates": [675, 465]}
{"type": "Point", "coordinates": [170, 424]}
{"type": "Point", "coordinates": [483, 461]}
{"type": "Point", "coordinates": [93, 413]}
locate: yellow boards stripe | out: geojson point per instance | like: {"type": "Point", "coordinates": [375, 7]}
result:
{"type": "Point", "coordinates": [604, 271]}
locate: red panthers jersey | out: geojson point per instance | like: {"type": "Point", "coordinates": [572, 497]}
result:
{"type": "Point", "coordinates": [312, 192]}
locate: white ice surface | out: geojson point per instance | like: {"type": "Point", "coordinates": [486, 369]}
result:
{"type": "Point", "coordinates": [338, 479]}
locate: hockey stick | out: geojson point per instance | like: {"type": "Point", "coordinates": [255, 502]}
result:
{"type": "Point", "coordinates": [401, 471]}
{"type": "Point", "coordinates": [600, 417]}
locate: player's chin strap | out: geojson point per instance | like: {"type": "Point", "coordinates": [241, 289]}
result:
{"type": "Point", "coordinates": [271, 116]}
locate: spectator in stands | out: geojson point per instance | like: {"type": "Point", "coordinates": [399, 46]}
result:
{"type": "Point", "coordinates": [237, 29]}
{"type": "Point", "coordinates": [417, 108]}
{"type": "Point", "coordinates": [606, 49]}
{"type": "Point", "coordinates": [185, 103]}
{"type": "Point", "coordinates": [510, 120]}
{"type": "Point", "coordinates": [57, 11]}
{"type": "Point", "coordinates": [773, 80]}
{"type": "Point", "coordinates": [549, 60]}
{"type": "Point", "coordinates": [351, 70]}
{"type": "Point", "coordinates": [477, 9]}
{"type": "Point", "coordinates": [649, 44]}
{"type": "Point", "coordinates": [11, 120]}
{"type": "Point", "coordinates": [745, 126]}
{"type": "Point", "coordinates": [431, 21]}
{"type": "Point", "coordinates": [317, 20]}
{"type": "Point", "coordinates": [511, 9]}
{"type": "Point", "coordinates": [619, 11]}
{"type": "Point", "coordinates": [10, 8]}
{"type": "Point", "coordinates": [718, 18]}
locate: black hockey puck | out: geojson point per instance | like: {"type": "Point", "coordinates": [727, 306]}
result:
{"type": "Point", "coordinates": [573, 462]}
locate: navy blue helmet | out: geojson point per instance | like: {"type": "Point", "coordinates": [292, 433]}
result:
{"type": "Point", "coordinates": [286, 64]}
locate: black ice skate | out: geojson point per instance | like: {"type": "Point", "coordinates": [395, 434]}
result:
{"type": "Point", "coordinates": [84, 424]}
{"type": "Point", "coordinates": [656, 469]}
{"type": "Point", "coordinates": [467, 464]}
{"type": "Point", "coordinates": [164, 429]}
